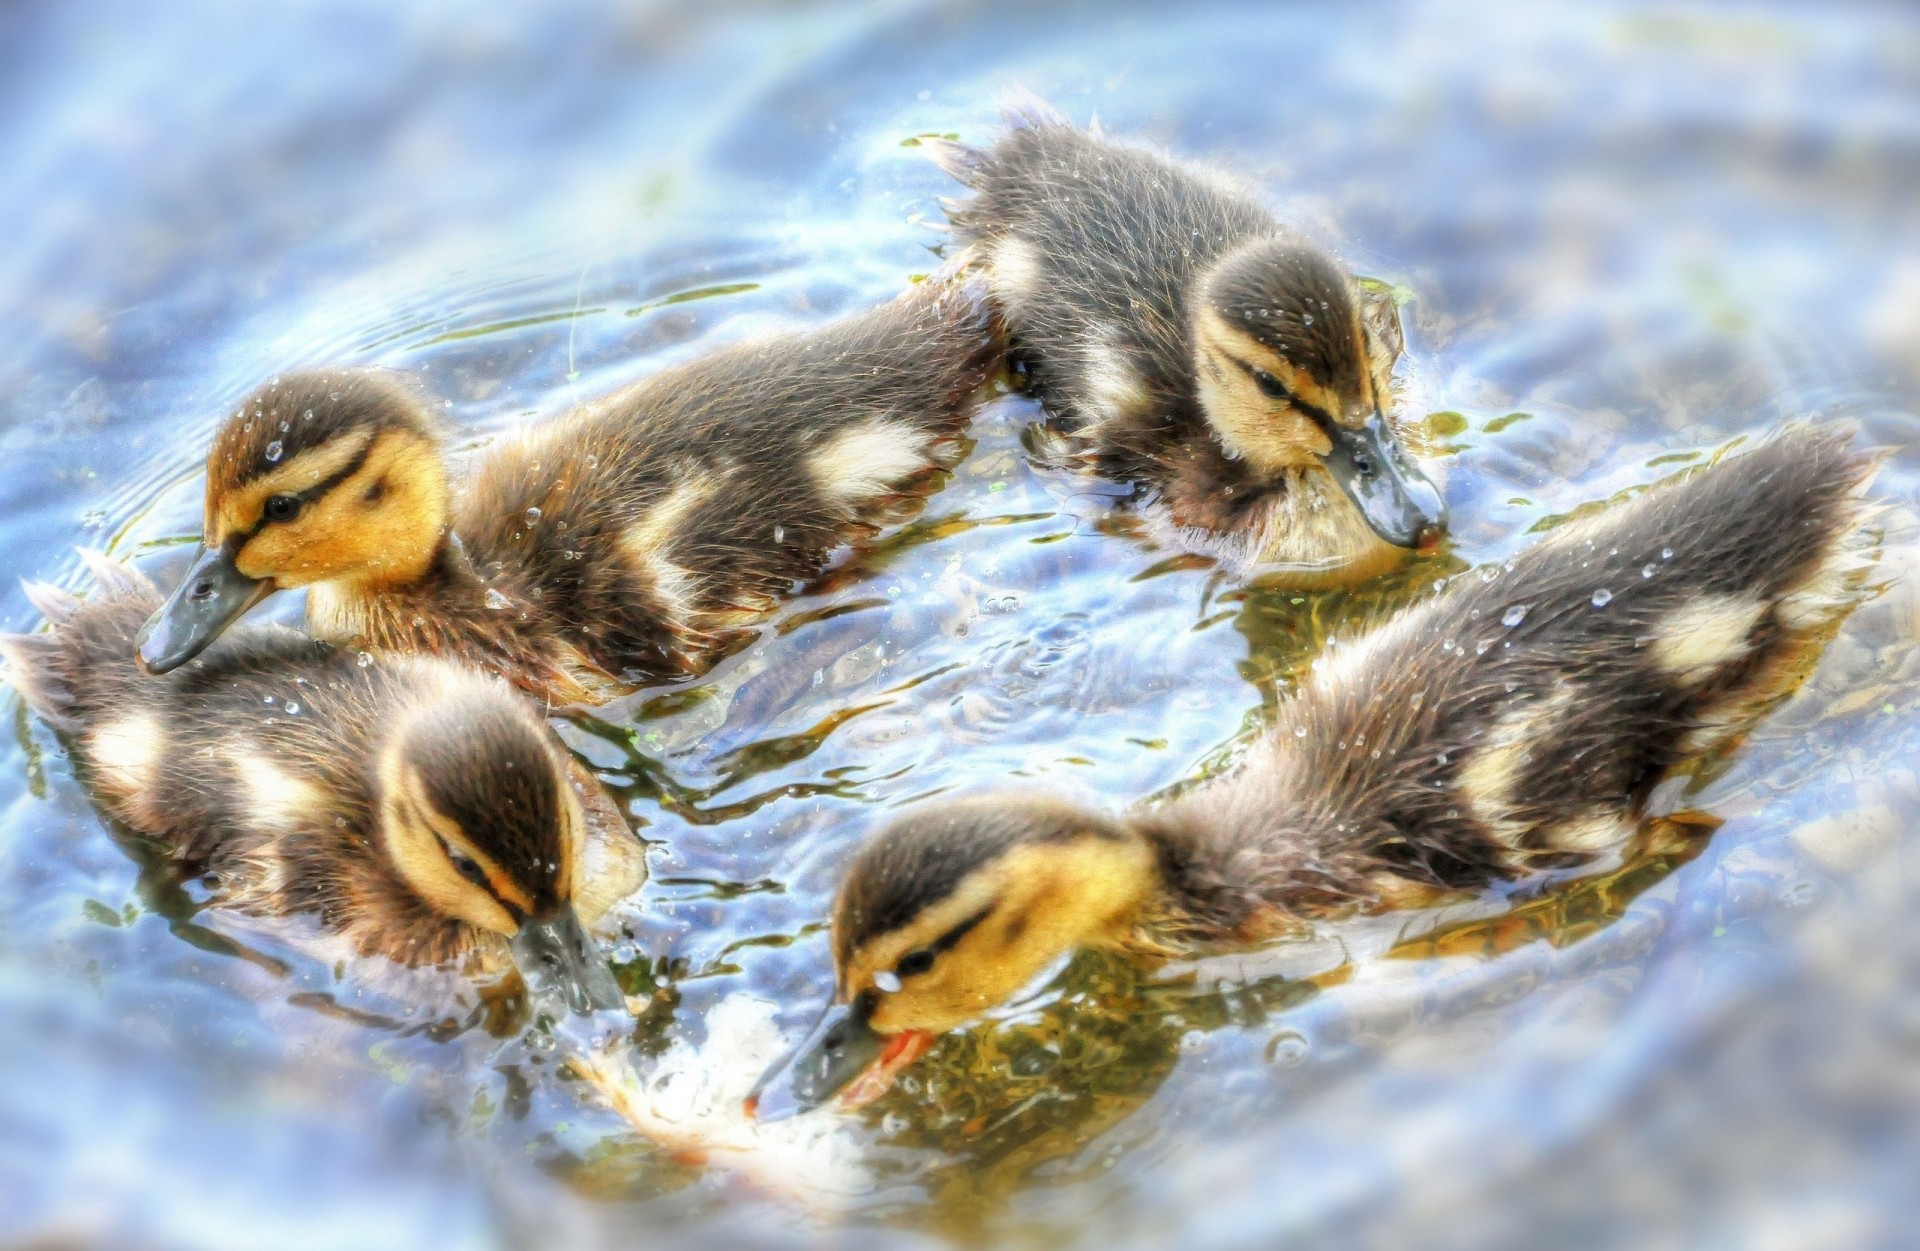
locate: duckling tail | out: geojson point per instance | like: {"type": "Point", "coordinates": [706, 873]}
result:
{"type": "Point", "coordinates": [36, 668]}
{"type": "Point", "coordinates": [1021, 109]}
{"type": "Point", "coordinates": [114, 577]}
{"type": "Point", "coordinates": [956, 160]}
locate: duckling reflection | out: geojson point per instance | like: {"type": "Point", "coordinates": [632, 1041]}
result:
{"type": "Point", "coordinates": [620, 544]}
{"type": "Point", "coordinates": [1195, 345]}
{"type": "Point", "coordinates": [419, 809]}
{"type": "Point", "coordinates": [1516, 723]}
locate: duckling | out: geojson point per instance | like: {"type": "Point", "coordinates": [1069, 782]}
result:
{"type": "Point", "coordinates": [1192, 344]}
{"type": "Point", "coordinates": [421, 809]}
{"type": "Point", "coordinates": [1516, 722]}
{"type": "Point", "coordinates": [612, 547]}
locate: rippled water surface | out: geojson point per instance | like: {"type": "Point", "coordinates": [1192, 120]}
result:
{"type": "Point", "coordinates": [1627, 236]}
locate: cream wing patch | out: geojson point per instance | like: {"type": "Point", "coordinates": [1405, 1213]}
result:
{"type": "Point", "coordinates": [125, 753]}
{"type": "Point", "coordinates": [1013, 272]}
{"type": "Point", "coordinates": [1698, 637]}
{"type": "Point", "coordinates": [1594, 833]}
{"type": "Point", "coordinates": [868, 460]}
{"type": "Point", "coordinates": [275, 797]}
{"type": "Point", "coordinates": [647, 545]}
{"type": "Point", "coordinates": [1112, 385]}
{"type": "Point", "coordinates": [1490, 779]}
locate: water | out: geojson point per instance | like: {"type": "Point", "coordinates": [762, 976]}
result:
{"type": "Point", "coordinates": [1629, 235]}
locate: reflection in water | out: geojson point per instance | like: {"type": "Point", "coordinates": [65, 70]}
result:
{"type": "Point", "coordinates": [1625, 238]}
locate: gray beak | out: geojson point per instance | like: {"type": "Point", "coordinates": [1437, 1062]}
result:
{"type": "Point", "coordinates": [1396, 499]}
{"type": "Point", "coordinates": [210, 598]}
{"type": "Point", "coordinates": [840, 1046]}
{"type": "Point", "coordinates": [555, 957]}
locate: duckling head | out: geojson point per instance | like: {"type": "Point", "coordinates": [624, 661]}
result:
{"type": "Point", "coordinates": [948, 912]}
{"type": "Point", "coordinates": [316, 477]}
{"type": "Point", "coordinates": [1293, 363]}
{"type": "Point", "coordinates": [479, 819]}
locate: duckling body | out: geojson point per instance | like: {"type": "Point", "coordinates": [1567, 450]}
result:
{"type": "Point", "coordinates": [1516, 722]}
{"type": "Point", "coordinates": [613, 546]}
{"type": "Point", "coordinates": [420, 809]}
{"type": "Point", "coordinates": [1194, 345]}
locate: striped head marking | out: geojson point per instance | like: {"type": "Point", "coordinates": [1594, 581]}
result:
{"type": "Point", "coordinates": [1293, 361]}
{"type": "Point", "coordinates": [475, 811]}
{"type": "Point", "coordinates": [318, 476]}
{"type": "Point", "coordinates": [478, 818]}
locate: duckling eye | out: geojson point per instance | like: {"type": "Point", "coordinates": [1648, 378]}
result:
{"type": "Point", "coordinates": [281, 507]}
{"type": "Point", "coordinates": [914, 963]}
{"type": "Point", "coordinates": [465, 867]}
{"type": "Point", "coordinates": [1269, 385]}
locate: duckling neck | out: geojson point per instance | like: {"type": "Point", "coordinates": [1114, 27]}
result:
{"type": "Point", "coordinates": [445, 587]}
{"type": "Point", "coordinates": [1212, 887]}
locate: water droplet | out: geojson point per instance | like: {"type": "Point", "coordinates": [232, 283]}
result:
{"type": "Point", "coordinates": [1299, 731]}
{"type": "Point", "coordinates": [1441, 758]}
{"type": "Point", "coordinates": [1647, 571]}
{"type": "Point", "coordinates": [533, 515]}
{"type": "Point", "coordinates": [274, 452]}
{"type": "Point", "coordinates": [497, 601]}
{"type": "Point", "coordinates": [1481, 648]}
{"type": "Point", "coordinates": [1513, 616]}
{"type": "Point", "coordinates": [1306, 319]}
{"type": "Point", "coordinates": [293, 709]}
{"type": "Point", "coordinates": [887, 981]}
{"type": "Point", "coordinates": [1602, 597]}
{"type": "Point", "coordinates": [1416, 699]}
{"type": "Point", "coordinates": [779, 534]}
{"type": "Point", "coordinates": [1666, 553]}
{"type": "Point", "coordinates": [366, 660]}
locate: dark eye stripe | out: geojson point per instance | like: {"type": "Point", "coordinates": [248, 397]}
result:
{"type": "Point", "coordinates": [1318, 415]}
{"type": "Point", "coordinates": [478, 877]}
{"type": "Point", "coordinates": [946, 941]}
{"type": "Point", "coordinates": [309, 495]}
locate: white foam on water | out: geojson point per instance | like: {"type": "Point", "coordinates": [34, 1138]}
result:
{"type": "Point", "coordinates": [692, 1101]}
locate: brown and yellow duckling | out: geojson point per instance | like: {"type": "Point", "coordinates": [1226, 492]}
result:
{"type": "Point", "coordinates": [422, 810]}
{"type": "Point", "coordinates": [610, 547]}
{"type": "Point", "coordinates": [1516, 722]}
{"type": "Point", "coordinates": [1194, 345]}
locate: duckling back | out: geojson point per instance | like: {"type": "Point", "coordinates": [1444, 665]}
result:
{"type": "Point", "coordinates": [1078, 234]}
{"type": "Point", "coordinates": [638, 531]}
{"type": "Point", "coordinates": [1519, 720]}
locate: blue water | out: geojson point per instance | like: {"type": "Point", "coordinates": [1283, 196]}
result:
{"type": "Point", "coordinates": [1629, 233]}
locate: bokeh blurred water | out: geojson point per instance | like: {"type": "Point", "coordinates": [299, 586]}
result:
{"type": "Point", "coordinates": [1628, 234]}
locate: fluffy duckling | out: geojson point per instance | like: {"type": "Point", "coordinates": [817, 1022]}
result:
{"type": "Point", "coordinates": [1194, 345]}
{"type": "Point", "coordinates": [1516, 722]}
{"type": "Point", "coordinates": [613, 546]}
{"type": "Point", "coordinates": [421, 809]}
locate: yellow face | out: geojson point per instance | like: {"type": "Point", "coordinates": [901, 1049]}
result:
{"type": "Point", "coordinates": [369, 505]}
{"type": "Point", "coordinates": [1265, 408]}
{"type": "Point", "coordinates": [998, 930]}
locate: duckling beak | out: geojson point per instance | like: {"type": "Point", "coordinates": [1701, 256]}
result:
{"type": "Point", "coordinates": [1397, 500]}
{"type": "Point", "coordinates": [208, 600]}
{"type": "Point", "coordinates": [842, 1052]}
{"type": "Point", "coordinates": [554, 955]}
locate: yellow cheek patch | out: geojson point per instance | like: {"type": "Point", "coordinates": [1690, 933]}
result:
{"type": "Point", "coordinates": [380, 525]}
{"type": "Point", "coordinates": [1042, 901]}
